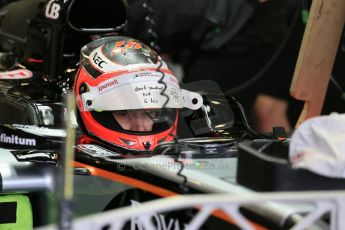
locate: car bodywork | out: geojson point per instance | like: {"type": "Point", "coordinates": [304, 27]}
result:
{"type": "Point", "coordinates": [202, 160]}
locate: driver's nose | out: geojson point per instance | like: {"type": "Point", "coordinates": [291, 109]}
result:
{"type": "Point", "coordinates": [140, 122]}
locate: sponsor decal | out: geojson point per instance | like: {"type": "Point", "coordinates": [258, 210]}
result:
{"type": "Point", "coordinates": [98, 60]}
{"type": "Point", "coordinates": [16, 74]}
{"type": "Point", "coordinates": [128, 44]}
{"type": "Point", "coordinates": [52, 10]}
{"type": "Point", "coordinates": [14, 139]}
{"type": "Point", "coordinates": [162, 222]}
{"type": "Point", "coordinates": [133, 45]}
{"type": "Point", "coordinates": [148, 74]}
{"type": "Point", "coordinates": [108, 84]}
{"type": "Point", "coordinates": [96, 151]}
{"type": "Point", "coordinates": [121, 46]}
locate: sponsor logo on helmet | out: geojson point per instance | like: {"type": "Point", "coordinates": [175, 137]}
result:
{"type": "Point", "coordinates": [128, 44]}
{"type": "Point", "coordinates": [108, 84]}
{"type": "Point", "coordinates": [121, 46]}
{"type": "Point", "coordinates": [148, 74]}
{"type": "Point", "coordinates": [98, 60]}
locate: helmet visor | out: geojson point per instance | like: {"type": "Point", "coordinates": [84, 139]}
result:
{"type": "Point", "coordinates": [139, 90]}
{"type": "Point", "coordinates": [137, 121]}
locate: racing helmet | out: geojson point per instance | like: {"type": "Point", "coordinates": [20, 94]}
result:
{"type": "Point", "coordinates": [127, 96]}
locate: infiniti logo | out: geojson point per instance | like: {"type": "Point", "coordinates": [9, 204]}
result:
{"type": "Point", "coordinates": [14, 139]}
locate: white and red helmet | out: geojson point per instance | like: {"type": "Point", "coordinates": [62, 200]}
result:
{"type": "Point", "coordinates": [120, 74]}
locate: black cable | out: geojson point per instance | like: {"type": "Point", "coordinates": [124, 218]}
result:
{"type": "Point", "coordinates": [163, 83]}
{"type": "Point", "coordinates": [274, 57]}
{"type": "Point", "coordinates": [183, 185]}
{"type": "Point", "coordinates": [154, 45]}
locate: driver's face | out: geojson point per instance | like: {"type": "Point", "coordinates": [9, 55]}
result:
{"type": "Point", "coordinates": [135, 120]}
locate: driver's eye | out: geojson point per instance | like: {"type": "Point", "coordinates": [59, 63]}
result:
{"type": "Point", "coordinates": [121, 113]}
{"type": "Point", "coordinates": [152, 114]}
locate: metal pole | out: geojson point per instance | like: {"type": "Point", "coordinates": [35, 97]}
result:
{"type": "Point", "coordinates": [65, 209]}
